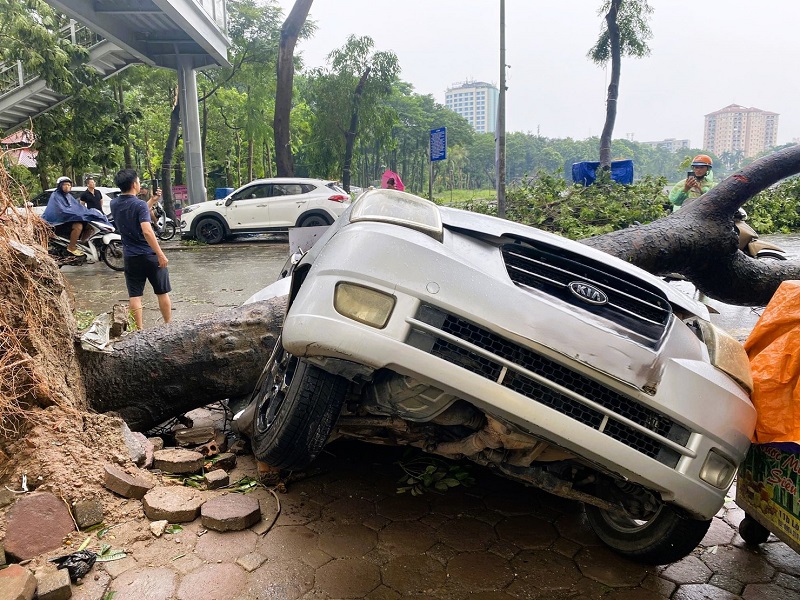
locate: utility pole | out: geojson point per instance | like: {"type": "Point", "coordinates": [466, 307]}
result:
{"type": "Point", "coordinates": [500, 135]}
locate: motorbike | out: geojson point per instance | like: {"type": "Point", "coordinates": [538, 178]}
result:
{"type": "Point", "coordinates": [749, 242]}
{"type": "Point", "coordinates": [103, 244]}
{"type": "Point", "coordinates": [164, 226]}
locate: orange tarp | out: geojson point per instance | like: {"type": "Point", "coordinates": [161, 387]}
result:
{"type": "Point", "coordinates": [774, 350]}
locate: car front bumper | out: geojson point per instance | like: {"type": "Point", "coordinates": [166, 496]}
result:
{"type": "Point", "coordinates": [552, 371]}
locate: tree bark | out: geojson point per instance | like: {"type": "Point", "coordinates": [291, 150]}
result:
{"type": "Point", "coordinates": [352, 131]}
{"type": "Point", "coordinates": [166, 161]}
{"type": "Point", "coordinates": [613, 86]}
{"type": "Point", "coordinates": [285, 81]}
{"type": "Point", "coordinates": [699, 241]}
{"type": "Point", "coordinates": [158, 373]}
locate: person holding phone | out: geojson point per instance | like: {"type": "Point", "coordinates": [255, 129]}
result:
{"type": "Point", "coordinates": [698, 181]}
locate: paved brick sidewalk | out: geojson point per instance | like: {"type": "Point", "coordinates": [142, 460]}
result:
{"type": "Point", "coordinates": [346, 533]}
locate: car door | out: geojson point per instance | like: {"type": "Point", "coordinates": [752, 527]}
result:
{"type": "Point", "coordinates": [287, 201]}
{"type": "Point", "coordinates": [248, 208]}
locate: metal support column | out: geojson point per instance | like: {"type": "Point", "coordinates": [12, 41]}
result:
{"type": "Point", "coordinates": [190, 120]}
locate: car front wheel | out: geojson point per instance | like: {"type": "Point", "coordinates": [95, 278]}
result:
{"type": "Point", "coordinates": [297, 407]}
{"type": "Point", "coordinates": [210, 231]}
{"type": "Point", "coordinates": [667, 536]}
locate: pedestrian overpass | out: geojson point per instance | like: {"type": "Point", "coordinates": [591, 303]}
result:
{"type": "Point", "coordinates": [184, 35]}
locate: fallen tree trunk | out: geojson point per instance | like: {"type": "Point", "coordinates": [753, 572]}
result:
{"type": "Point", "coordinates": [158, 373]}
{"type": "Point", "coordinates": [699, 241]}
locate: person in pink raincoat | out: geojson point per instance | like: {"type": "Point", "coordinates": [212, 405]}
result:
{"type": "Point", "coordinates": [391, 180]}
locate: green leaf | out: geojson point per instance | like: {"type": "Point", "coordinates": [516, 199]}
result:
{"type": "Point", "coordinates": [118, 555]}
{"type": "Point", "coordinates": [104, 549]}
{"type": "Point", "coordinates": [84, 544]}
{"type": "Point", "coordinates": [173, 528]}
{"type": "Point", "coordinates": [450, 482]}
{"type": "Point", "coordinates": [102, 532]}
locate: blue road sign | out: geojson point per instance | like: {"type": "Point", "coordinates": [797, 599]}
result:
{"type": "Point", "coordinates": [438, 145]}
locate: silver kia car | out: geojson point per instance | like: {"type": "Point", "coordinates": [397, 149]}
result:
{"type": "Point", "coordinates": [556, 364]}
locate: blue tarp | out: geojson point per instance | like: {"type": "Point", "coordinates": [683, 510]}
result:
{"type": "Point", "coordinates": [585, 172]}
{"type": "Point", "coordinates": [220, 193]}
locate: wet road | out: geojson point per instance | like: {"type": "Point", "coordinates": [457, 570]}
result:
{"type": "Point", "coordinates": [203, 278]}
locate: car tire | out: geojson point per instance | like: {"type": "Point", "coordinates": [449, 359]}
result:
{"type": "Point", "coordinates": [210, 231]}
{"type": "Point", "coordinates": [315, 221]}
{"type": "Point", "coordinates": [666, 537]}
{"type": "Point", "coordinates": [297, 405]}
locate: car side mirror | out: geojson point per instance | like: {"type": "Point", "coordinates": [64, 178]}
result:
{"type": "Point", "coordinates": [229, 201]}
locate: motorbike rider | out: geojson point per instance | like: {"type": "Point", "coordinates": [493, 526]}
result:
{"type": "Point", "coordinates": [695, 185]}
{"type": "Point", "coordinates": [69, 218]}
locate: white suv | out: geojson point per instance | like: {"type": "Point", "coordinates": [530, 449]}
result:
{"type": "Point", "coordinates": [265, 205]}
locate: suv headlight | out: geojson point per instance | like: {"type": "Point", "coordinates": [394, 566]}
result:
{"type": "Point", "coordinates": [727, 354]}
{"type": "Point", "coordinates": [399, 208]}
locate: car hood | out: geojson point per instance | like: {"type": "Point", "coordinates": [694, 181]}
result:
{"type": "Point", "coordinates": [484, 225]}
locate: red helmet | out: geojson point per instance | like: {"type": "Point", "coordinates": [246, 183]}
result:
{"type": "Point", "coordinates": [702, 160]}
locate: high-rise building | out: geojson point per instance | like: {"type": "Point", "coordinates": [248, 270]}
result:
{"type": "Point", "coordinates": [476, 101]}
{"type": "Point", "coordinates": [739, 129]}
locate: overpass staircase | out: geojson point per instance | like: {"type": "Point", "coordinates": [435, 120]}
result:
{"type": "Point", "coordinates": [24, 95]}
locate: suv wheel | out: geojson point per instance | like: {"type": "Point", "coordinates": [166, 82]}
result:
{"type": "Point", "coordinates": [667, 536]}
{"type": "Point", "coordinates": [210, 231]}
{"type": "Point", "coordinates": [297, 405]}
{"type": "Point", "coordinates": [315, 221]}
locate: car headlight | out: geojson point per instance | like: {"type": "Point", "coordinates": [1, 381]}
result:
{"type": "Point", "coordinates": [727, 354]}
{"type": "Point", "coordinates": [399, 208]}
{"type": "Point", "coordinates": [363, 304]}
{"type": "Point", "coordinates": [188, 209]}
{"type": "Point", "coordinates": [718, 470]}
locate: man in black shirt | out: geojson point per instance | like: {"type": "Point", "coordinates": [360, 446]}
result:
{"type": "Point", "coordinates": [92, 198]}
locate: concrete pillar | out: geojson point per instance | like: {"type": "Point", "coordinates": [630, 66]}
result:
{"type": "Point", "coordinates": [190, 120]}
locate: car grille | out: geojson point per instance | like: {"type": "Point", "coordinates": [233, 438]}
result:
{"type": "Point", "coordinates": [624, 298]}
{"type": "Point", "coordinates": [550, 383]}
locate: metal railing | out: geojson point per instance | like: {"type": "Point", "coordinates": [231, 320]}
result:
{"type": "Point", "coordinates": [13, 75]}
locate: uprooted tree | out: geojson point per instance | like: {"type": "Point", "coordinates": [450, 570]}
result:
{"type": "Point", "coordinates": [163, 372]}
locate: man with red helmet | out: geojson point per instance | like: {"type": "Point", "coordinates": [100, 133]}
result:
{"type": "Point", "coordinates": [696, 183]}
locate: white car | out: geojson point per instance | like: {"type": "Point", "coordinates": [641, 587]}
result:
{"type": "Point", "coordinates": [265, 205]}
{"type": "Point", "coordinates": [39, 202]}
{"type": "Point", "coordinates": [553, 363]}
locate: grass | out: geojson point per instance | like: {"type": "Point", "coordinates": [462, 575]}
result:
{"type": "Point", "coordinates": [459, 198]}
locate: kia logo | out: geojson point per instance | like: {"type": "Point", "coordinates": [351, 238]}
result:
{"type": "Point", "coordinates": [588, 293]}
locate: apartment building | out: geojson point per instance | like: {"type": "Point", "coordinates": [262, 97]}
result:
{"type": "Point", "coordinates": [736, 129]}
{"type": "Point", "coordinates": [670, 144]}
{"type": "Point", "coordinates": [476, 101]}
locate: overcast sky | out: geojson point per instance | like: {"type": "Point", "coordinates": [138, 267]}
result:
{"type": "Point", "coordinates": [705, 55]}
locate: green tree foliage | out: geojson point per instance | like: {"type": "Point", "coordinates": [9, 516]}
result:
{"type": "Point", "coordinates": [548, 202]}
{"type": "Point", "coordinates": [331, 97]}
{"type": "Point", "coordinates": [777, 209]}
